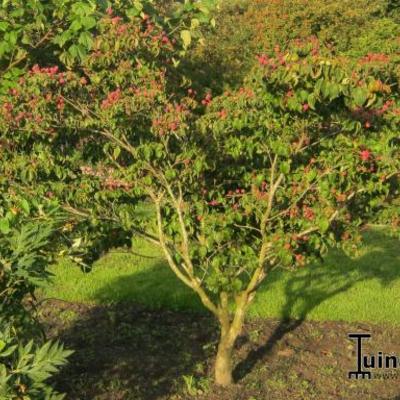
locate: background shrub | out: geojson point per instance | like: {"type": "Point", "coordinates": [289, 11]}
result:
{"type": "Point", "coordinates": [27, 360]}
{"type": "Point", "coordinates": [246, 28]}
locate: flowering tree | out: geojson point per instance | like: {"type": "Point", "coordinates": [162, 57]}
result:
{"type": "Point", "coordinates": [266, 176]}
{"type": "Point", "coordinates": [40, 40]}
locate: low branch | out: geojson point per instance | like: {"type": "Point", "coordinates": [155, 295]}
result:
{"type": "Point", "coordinates": [187, 277]}
{"type": "Point", "coordinates": [148, 236]}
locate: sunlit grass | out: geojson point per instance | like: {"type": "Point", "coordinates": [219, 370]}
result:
{"type": "Point", "coordinates": [363, 288]}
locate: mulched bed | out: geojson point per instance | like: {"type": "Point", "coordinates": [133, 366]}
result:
{"type": "Point", "coordinates": [127, 352]}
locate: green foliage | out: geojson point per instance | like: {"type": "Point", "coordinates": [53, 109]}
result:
{"type": "Point", "coordinates": [246, 28]}
{"type": "Point", "coordinates": [142, 33]}
{"type": "Point", "coordinates": [25, 368]}
{"type": "Point", "coordinates": [23, 261]}
{"type": "Point", "coordinates": [294, 162]}
{"type": "Point", "coordinates": [62, 32]}
{"type": "Point", "coordinates": [26, 363]}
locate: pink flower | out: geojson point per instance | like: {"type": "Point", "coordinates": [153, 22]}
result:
{"type": "Point", "coordinates": [35, 69]}
{"type": "Point", "coordinates": [111, 99]}
{"type": "Point", "coordinates": [299, 257]}
{"type": "Point", "coordinates": [263, 60]}
{"type": "Point", "coordinates": [173, 126]}
{"type": "Point", "coordinates": [289, 93]}
{"type": "Point", "coordinates": [8, 107]}
{"type": "Point", "coordinates": [365, 155]}
{"type": "Point", "coordinates": [223, 114]}
{"type": "Point", "coordinates": [115, 20]}
{"type": "Point", "coordinates": [207, 100]}
{"type": "Point", "coordinates": [308, 213]}
{"type": "Point", "coordinates": [53, 70]}
{"type": "Point", "coordinates": [306, 107]}
{"type": "Point", "coordinates": [121, 29]}
{"type": "Point", "coordinates": [109, 11]}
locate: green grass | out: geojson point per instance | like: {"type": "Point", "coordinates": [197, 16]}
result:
{"type": "Point", "coordinates": [362, 288]}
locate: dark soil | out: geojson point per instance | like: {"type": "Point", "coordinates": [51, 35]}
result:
{"type": "Point", "coordinates": [126, 352]}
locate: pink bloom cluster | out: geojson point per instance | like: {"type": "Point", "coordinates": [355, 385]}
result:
{"type": "Point", "coordinates": [263, 59]}
{"type": "Point", "coordinates": [368, 115]}
{"type": "Point", "coordinates": [207, 100]}
{"type": "Point", "coordinates": [171, 120]}
{"type": "Point", "coordinates": [375, 58]}
{"type": "Point", "coordinates": [308, 213]}
{"type": "Point", "coordinates": [52, 72]}
{"type": "Point", "coordinates": [365, 155]}
{"type": "Point", "coordinates": [45, 70]}
{"type": "Point", "coordinates": [116, 20]}
{"type": "Point", "coordinates": [107, 180]}
{"type": "Point", "coordinates": [112, 98]}
{"type": "Point", "coordinates": [223, 114]}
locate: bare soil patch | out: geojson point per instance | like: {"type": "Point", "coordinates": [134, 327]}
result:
{"type": "Point", "coordinates": [127, 352]}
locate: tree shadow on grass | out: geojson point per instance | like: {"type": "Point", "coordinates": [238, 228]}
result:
{"type": "Point", "coordinates": [125, 351]}
{"type": "Point", "coordinates": [336, 274]}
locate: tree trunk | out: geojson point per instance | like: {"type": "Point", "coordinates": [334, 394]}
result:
{"type": "Point", "coordinates": [223, 363]}
{"type": "Point", "coordinates": [230, 330]}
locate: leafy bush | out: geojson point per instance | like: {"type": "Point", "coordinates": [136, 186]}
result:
{"type": "Point", "coordinates": [23, 265]}
{"type": "Point", "coordinates": [62, 32]}
{"type": "Point", "coordinates": [25, 367]}
{"type": "Point", "coordinates": [26, 361]}
{"type": "Point", "coordinates": [246, 28]}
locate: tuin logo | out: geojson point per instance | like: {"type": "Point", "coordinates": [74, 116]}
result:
{"type": "Point", "coordinates": [368, 364]}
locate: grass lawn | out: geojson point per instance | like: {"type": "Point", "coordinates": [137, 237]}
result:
{"type": "Point", "coordinates": [361, 288]}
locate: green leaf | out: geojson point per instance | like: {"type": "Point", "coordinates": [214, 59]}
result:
{"type": "Point", "coordinates": [138, 4]}
{"type": "Point", "coordinates": [77, 51]}
{"type": "Point", "coordinates": [186, 37]}
{"type": "Point", "coordinates": [76, 25]}
{"type": "Point", "coordinates": [81, 8]}
{"type": "Point", "coordinates": [285, 167]}
{"type": "Point", "coordinates": [195, 23]}
{"type": "Point", "coordinates": [85, 39]}
{"type": "Point", "coordinates": [360, 96]}
{"type": "Point", "coordinates": [25, 206]}
{"type": "Point", "coordinates": [324, 225]}
{"type": "Point", "coordinates": [117, 152]}
{"type": "Point", "coordinates": [311, 100]}
{"type": "Point", "coordinates": [4, 226]}
{"type": "Point", "coordinates": [4, 26]}
{"type": "Point", "coordinates": [133, 12]}
{"type": "Point", "coordinates": [88, 22]}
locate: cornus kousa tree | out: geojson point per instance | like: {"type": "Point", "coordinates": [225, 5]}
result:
{"type": "Point", "coordinates": [118, 49]}
{"type": "Point", "coordinates": [266, 176]}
